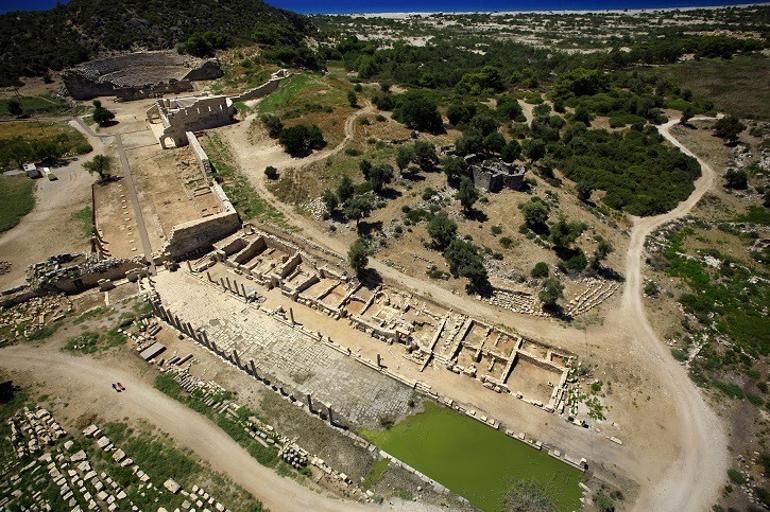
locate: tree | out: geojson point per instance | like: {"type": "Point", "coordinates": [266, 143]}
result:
{"type": "Point", "coordinates": [582, 115]}
{"type": "Point", "coordinates": [494, 142]}
{"type": "Point", "coordinates": [101, 165]}
{"type": "Point", "coordinates": [564, 234]}
{"type": "Point", "coordinates": [736, 179]}
{"type": "Point", "coordinates": [300, 139]}
{"type": "Point", "coordinates": [728, 128]}
{"type": "Point", "coordinates": [345, 189]}
{"type": "Point", "coordinates": [359, 206]}
{"type": "Point", "coordinates": [358, 256]}
{"type": "Point", "coordinates": [271, 172]}
{"type": "Point", "coordinates": [365, 166]}
{"type": "Point", "coordinates": [535, 149]}
{"type": "Point", "coordinates": [404, 156]}
{"type": "Point", "coordinates": [442, 230]}
{"type": "Point", "coordinates": [418, 111]}
{"type": "Point", "coordinates": [101, 115]}
{"type": "Point", "coordinates": [584, 191]}
{"type": "Point", "coordinates": [508, 109]}
{"type": "Point", "coordinates": [454, 168]}
{"type": "Point", "coordinates": [535, 213]}
{"type": "Point", "coordinates": [540, 270]}
{"type": "Point", "coordinates": [379, 176]}
{"type": "Point", "coordinates": [464, 259]}
{"type": "Point", "coordinates": [542, 110]}
{"type": "Point", "coordinates": [14, 108]}
{"type": "Point", "coordinates": [330, 200]}
{"type": "Point", "coordinates": [425, 154]}
{"type": "Point", "coordinates": [511, 151]}
{"type": "Point", "coordinates": [273, 125]}
{"type": "Point", "coordinates": [687, 114]}
{"type": "Point", "coordinates": [467, 194]}
{"type": "Point", "coordinates": [460, 113]}
{"type": "Point", "coordinates": [552, 291]}
{"type": "Point", "coordinates": [603, 249]}
{"type": "Point", "coordinates": [353, 99]}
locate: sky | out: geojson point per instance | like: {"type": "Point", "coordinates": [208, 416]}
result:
{"type": "Point", "coordinates": [344, 6]}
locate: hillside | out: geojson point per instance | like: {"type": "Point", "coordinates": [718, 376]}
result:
{"type": "Point", "coordinates": [84, 28]}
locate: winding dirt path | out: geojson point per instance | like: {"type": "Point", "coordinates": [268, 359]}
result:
{"type": "Point", "coordinates": [88, 380]}
{"type": "Point", "coordinates": [693, 480]}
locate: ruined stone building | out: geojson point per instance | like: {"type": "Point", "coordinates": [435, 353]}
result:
{"type": "Point", "coordinates": [139, 75]}
{"type": "Point", "coordinates": [173, 118]}
{"type": "Point", "coordinates": [493, 174]}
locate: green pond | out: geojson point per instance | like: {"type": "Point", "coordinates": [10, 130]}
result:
{"type": "Point", "coordinates": [474, 460]}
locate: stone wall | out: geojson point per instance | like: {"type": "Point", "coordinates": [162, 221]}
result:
{"type": "Point", "coordinates": [181, 116]}
{"type": "Point", "coordinates": [191, 236]}
{"type": "Point", "coordinates": [264, 89]}
{"type": "Point", "coordinates": [258, 92]}
{"type": "Point", "coordinates": [200, 154]}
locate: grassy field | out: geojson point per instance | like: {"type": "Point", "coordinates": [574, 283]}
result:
{"type": "Point", "coordinates": [84, 217]}
{"type": "Point", "coordinates": [17, 198]}
{"type": "Point", "coordinates": [475, 461]}
{"type": "Point", "coordinates": [237, 187]}
{"type": "Point", "coordinates": [719, 79]}
{"type": "Point", "coordinates": [32, 141]}
{"type": "Point", "coordinates": [156, 454]}
{"type": "Point", "coordinates": [36, 105]}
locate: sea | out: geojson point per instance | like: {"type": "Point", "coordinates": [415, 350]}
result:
{"type": "Point", "coordinates": [406, 6]}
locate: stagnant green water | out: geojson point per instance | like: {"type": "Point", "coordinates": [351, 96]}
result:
{"type": "Point", "coordinates": [476, 461]}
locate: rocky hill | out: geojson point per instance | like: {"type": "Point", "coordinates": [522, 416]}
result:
{"type": "Point", "coordinates": [34, 42]}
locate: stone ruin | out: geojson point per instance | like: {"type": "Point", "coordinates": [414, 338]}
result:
{"type": "Point", "coordinates": [138, 75]}
{"type": "Point", "coordinates": [173, 118]}
{"type": "Point", "coordinates": [504, 362]}
{"type": "Point", "coordinates": [494, 174]}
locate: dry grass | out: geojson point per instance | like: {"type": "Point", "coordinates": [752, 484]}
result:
{"type": "Point", "coordinates": [720, 79]}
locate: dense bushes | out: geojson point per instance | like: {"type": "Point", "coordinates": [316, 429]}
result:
{"type": "Point", "coordinates": [15, 151]}
{"type": "Point", "coordinates": [84, 28]}
{"type": "Point", "coordinates": [417, 110]}
{"type": "Point", "coordinates": [638, 173]}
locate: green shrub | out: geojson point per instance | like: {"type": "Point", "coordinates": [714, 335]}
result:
{"type": "Point", "coordinates": [540, 270]}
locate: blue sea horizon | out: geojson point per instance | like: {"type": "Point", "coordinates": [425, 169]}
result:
{"type": "Point", "coordinates": [449, 6]}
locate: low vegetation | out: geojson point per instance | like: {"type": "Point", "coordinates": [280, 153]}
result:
{"type": "Point", "coordinates": [17, 198]}
{"type": "Point", "coordinates": [22, 142]}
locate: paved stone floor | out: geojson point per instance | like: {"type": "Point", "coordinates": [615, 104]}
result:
{"type": "Point", "coordinates": [360, 394]}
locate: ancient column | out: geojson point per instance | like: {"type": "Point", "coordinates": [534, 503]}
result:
{"type": "Point", "coordinates": [310, 402]}
{"type": "Point", "coordinates": [291, 316]}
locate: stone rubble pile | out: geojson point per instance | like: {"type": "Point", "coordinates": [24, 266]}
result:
{"type": "Point", "coordinates": [32, 430]}
{"type": "Point", "coordinates": [518, 302]}
{"type": "Point", "coordinates": [33, 314]}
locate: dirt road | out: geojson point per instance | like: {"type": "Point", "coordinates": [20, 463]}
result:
{"type": "Point", "coordinates": [89, 381]}
{"type": "Point", "coordinates": [47, 229]}
{"type": "Point", "coordinates": [693, 480]}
